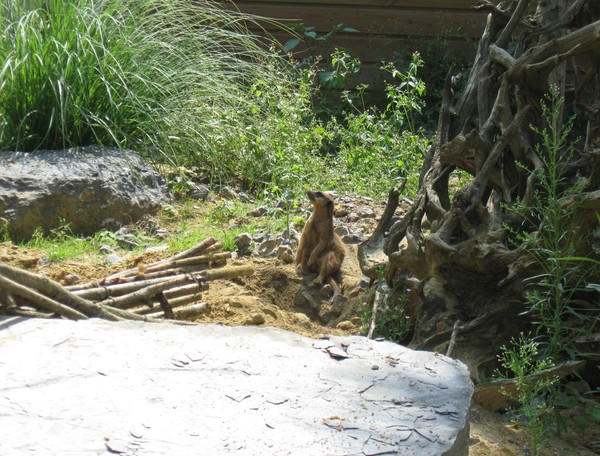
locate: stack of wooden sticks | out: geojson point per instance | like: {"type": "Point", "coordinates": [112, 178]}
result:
{"type": "Point", "coordinates": [169, 288]}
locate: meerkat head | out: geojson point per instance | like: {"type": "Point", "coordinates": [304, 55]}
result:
{"type": "Point", "coordinates": [324, 199]}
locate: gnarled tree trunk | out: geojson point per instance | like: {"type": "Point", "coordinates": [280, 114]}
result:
{"type": "Point", "coordinates": [453, 241]}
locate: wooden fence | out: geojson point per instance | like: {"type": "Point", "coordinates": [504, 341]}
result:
{"type": "Point", "coordinates": [385, 28]}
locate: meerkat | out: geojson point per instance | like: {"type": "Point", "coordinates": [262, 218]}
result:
{"type": "Point", "coordinates": [320, 249]}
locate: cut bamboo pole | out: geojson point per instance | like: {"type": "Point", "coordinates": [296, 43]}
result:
{"type": "Point", "coordinates": [56, 292]}
{"type": "Point", "coordinates": [204, 247]}
{"type": "Point", "coordinates": [182, 313]}
{"type": "Point", "coordinates": [228, 273]}
{"type": "Point", "coordinates": [176, 284]}
{"type": "Point", "coordinates": [185, 300]}
{"type": "Point", "coordinates": [184, 295]}
{"type": "Point", "coordinates": [202, 259]}
{"type": "Point", "coordinates": [39, 300]}
{"type": "Point", "coordinates": [146, 294]}
{"type": "Point", "coordinates": [208, 245]}
{"type": "Point", "coordinates": [184, 290]}
{"type": "Point", "coordinates": [119, 289]}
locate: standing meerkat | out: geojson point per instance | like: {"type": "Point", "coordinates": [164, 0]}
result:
{"type": "Point", "coordinates": [320, 249]}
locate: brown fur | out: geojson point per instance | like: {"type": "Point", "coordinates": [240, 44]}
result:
{"type": "Point", "coordinates": [321, 250]}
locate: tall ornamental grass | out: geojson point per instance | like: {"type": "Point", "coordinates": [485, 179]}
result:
{"type": "Point", "coordinates": [169, 78]}
{"type": "Point", "coordinates": [183, 82]}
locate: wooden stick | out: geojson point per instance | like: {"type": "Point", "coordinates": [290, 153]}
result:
{"type": "Point", "coordinates": [182, 313]}
{"type": "Point", "coordinates": [118, 289]}
{"type": "Point", "coordinates": [376, 300]}
{"type": "Point", "coordinates": [184, 290]}
{"type": "Point", "coordinates": [229, 273]}
{"type": "Point", "coordinates": [145, 295]}
{"type": "Point", "coordinates": [24, 312]}
{"type": "Point", "coordinates": [209, 258]}
{"type": "Point", "coordinates": [185, 300]}
{"type": "Point", "coordinates": [208, 245]}
{"type": "Point", "coordinates": [39, 300]}
{"type": "Point", "coordinates": [173, 302]}
{"type": "Point", "coordinates": [58, 293]}
{"type": "Point", "coordinates": [453, 338]}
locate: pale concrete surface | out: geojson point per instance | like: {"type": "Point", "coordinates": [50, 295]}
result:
{"type": "Point", "coordinates": [98, 388]}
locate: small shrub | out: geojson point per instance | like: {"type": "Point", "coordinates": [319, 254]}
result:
{"type": "Point", "coordinates": [521, 362]}
{"type": "Point", "coordinates": [391, 322]}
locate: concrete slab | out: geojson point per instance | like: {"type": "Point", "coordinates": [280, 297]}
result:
{"type": "Point", "coordinates": [97, 388]}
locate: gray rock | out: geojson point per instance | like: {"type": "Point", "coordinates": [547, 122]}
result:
{"type": "Point", "coordinates": [366, 212]}
{"type": "Point", "coordinates": [353, 238]}
{"type": "Point", "coordinates": [352, 217]}
{"type": "Point", "coordinates": [113, 259]}
{"type": "Point", "coordinates": [105, 249]}
{"type": "Point", "coordinates": [285, 254]}
{"type": "Point", "coordinates": [340, 212]}
{"type": "Point", "coordinates": [244, 197]}
{"type": "Point", "coordinates": [228, 192]}
{"type": "Point", "coordinates": [267, 248]}
{"type": "Point", "coordinates": [290, 236]}
{"type": "Point", "coordinates": [243, 243]}
{"type": "Point", "coordinates": [158, 388]}
{"type": "Point", "coordinates": [199, 192]}
{"type": "Point", "coordinates": [127, 239]}
{"type": "Point", "coordinates": [157, 248]}
{"type": "Point", "coordinates": [342, 230]}
{"type": "Point", "coordinates": [87, 188]}
{"type": "Point", "coordinates": [258, 212]}
{"type": "Point", "coordinates": [71, 279]}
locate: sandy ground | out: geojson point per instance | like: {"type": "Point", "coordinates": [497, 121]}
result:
{"type": "Point", "coordinates": [271, 297]}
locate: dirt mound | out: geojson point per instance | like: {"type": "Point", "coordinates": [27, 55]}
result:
{"type": "Point", "coordinates": [278, 295]}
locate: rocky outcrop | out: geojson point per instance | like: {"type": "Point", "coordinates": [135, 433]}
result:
{"type": "Point", "coordinates": [94, 387]}
{"type": "Point", "coordinates": [86, 189]}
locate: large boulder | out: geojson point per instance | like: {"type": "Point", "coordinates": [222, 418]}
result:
{"type": "Point", "coordinates": [87, 188]}
{"type": "Point", "coordinates": [98, 387]}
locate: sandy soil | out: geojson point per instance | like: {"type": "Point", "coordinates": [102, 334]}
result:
{"type": "Point", "coordinates": [271, 296]}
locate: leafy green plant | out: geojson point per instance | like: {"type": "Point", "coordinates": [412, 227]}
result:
{"type": "Point", "coordinates": [383, 146]}
{"type": "Point", "coordinates": [551, 297]}
{"type": "Point", "coordinates": [343, 65]}
{"type": "Point", "coordinates": [406, 96]}
{"type": "Point", "coordinates": [4, 234]}
{"type": "Point", "coordinates": [391, 322]}
{"type": "Point", "coordinates": [301, 30]}
{"type": "Point", "coordinates": [522, 362]}
{"type": "Point", "coordinates": [59, 245]}
{"type": "Point", "coordinates": [558, 321]}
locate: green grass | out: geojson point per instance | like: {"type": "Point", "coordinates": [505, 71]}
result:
{"type": "Point", "coordinates": [223, 220]}
{"type": "Point", "coordinates": [186, 225]}
{"type": "Point", "coordinates": [186, 84]}
{"type": "Point", "coordinates": [168, 81]}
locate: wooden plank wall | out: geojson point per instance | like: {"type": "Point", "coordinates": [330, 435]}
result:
{"type": "Point", "coordinates": [386, 28]}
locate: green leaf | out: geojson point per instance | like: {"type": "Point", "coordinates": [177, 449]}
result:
{"type": "Point", "coordinates": [291, 44]}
